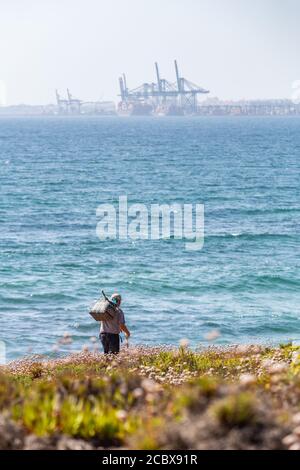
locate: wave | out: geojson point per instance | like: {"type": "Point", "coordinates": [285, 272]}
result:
{"type": "Point", "coordinates": [43, 297]}
{"type": "Point", "coordinates": [254, 283]}
{"type": "Point", "coordinates": [255, 211]}
{"type": "Point", "coordinates": [251, 236]}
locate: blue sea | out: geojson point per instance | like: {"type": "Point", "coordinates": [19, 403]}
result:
{"type": "Point", "coordinates": [244, 283]}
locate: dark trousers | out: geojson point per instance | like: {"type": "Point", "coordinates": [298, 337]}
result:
{"type": "Point", "coordinates": [110, 343]}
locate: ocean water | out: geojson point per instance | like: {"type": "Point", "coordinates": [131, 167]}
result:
{"type": "Point", "coordinates": [244, 283]}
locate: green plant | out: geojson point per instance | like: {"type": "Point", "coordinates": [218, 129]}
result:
{"type": "Point", "coordinates": [235, 410]}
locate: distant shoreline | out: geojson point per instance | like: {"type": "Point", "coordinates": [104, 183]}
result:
{"type": "Point", "coordinates": [159, 118]}
{"type": "Point", "coordinates": [211, 108]}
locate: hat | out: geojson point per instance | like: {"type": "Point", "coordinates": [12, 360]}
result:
{"type": "Point", "coordinates": [116, 297]}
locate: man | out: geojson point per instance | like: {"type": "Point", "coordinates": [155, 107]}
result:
{"type": "Point", "coordinates": [110, 330]}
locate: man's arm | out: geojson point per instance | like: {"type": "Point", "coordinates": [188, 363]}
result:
{"type": "Point", "coordinates": [125, 329]}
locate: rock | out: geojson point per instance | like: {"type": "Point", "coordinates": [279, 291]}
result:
{"type": "Point", "coordinates": [149, 385]}
{"type": "Point", "coordinates": [295, 446]}
{"type": "Point", "coordinates": [289, 440]}
{"type": "Point", "coordinates": [11, 434]}
{"type": "Point", "coordinates": [68, 443]}
{"type": "Point", "coordinates": [39, 443]}
{"type": "Point", "coordinates": [55, 443]}
{"type": "Point", "coordinates": [297, 431]}
{"type": "Point", "coordinates": [296, 418]}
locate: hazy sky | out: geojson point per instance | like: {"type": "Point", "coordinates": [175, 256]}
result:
{"type": "Point", "coordinates": [235, 48]}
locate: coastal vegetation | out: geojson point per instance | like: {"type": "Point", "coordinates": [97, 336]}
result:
{"type": "Point", "coordinates": [242, 397]}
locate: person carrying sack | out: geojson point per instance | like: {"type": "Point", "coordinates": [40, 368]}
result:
{"type": "Point", "coordinates": [112, 323]}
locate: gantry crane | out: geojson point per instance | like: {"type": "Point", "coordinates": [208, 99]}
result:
{"type": "Point", "coordinates": [182, 93]}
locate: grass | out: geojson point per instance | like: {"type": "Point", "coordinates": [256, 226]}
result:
{"type": "Point", "coordinates": [158, 398]}
{"type": "Point", "coordinates": [236, 410]}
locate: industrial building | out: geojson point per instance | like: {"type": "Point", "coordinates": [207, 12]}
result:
{"type": "Point", "coordinates": [73, 106]}
{"type": "Point", "coordinates": [158, 98]}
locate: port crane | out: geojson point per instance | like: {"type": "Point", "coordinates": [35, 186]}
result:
{"type": "Point", "coordinates": [74, 103]}
{"type": "Point", "coordinates": [68, 105]}
{"type": "Point", "coordinates": [181, 94]}
{"type": "Point", "coordinates": [62, 104]}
